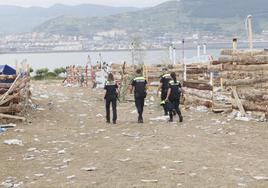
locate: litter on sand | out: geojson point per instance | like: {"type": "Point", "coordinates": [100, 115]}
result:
{"type": "Point", "coordinates": [149, 181]}
{"type": "Point", "coordinates": [261, 178]}
{"type": "Point", "coordinates": [89, 169]}
{"type": "Point", "coordinates": [13, 142]}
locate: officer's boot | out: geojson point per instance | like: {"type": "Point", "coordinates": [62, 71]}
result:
{"type": "Point", "coordinates": [181, 118]}
{"type": "Point", "coordinates": [170, 116]}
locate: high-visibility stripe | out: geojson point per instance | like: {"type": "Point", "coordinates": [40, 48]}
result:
{"type": "Point", "coordinates": [110, 83]}
{"type": "Point", "coordinates": [166, 75]}
{"type": "Point", "coordinates": [139, 78]}
{"type": "Point", "coordinates": [172, 83]}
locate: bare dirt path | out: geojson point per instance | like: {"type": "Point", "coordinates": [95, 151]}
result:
{"type": "Point", "coordinates": [66, 143]}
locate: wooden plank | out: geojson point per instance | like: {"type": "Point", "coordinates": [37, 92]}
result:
{"type": "Point", "coordinates": [245, 81]}
{"type": "Point", "coordinates": [238, 102]}
{"type": "Point", "coordinates": [12, 117]}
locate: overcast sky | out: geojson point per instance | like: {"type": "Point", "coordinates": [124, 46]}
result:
{"type": "Point", "coordinates": [46, 3]}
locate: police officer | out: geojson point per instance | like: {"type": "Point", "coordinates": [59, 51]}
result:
{"type": "Point", "coordinates": [164, 83]}
{"type": "Point", "coordinates": [111, 97]}
{"type": "Point", "coordinates": [139, 84]}
{"type": "Point", "coordinates": [173, 97]}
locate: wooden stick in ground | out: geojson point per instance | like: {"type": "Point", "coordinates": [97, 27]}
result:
{"type": "Point", "coordinates": [238, 102]}
{"type": "Point", "coordinates": [12, 117]}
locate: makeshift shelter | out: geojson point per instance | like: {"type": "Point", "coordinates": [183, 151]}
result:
{"type": "Point", "coordinates": [7, 70]}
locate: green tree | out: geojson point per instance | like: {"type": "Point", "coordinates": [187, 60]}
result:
{"type": "Point", "coordinates": [60, 70]}
{"type": "Point", "coordinates": [41, 72]}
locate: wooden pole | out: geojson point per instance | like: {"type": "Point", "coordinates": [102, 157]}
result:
{"type": "Point", "coordinates": [238, 102]}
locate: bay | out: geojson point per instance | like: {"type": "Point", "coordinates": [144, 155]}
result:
{"type": "Point", "coordinates": [55, 60]}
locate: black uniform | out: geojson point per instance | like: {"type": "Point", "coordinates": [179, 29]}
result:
{"type": "Point", "coordinates": [165, 79]}
{"type": "Point", "coordinates": [174, 99]}
{"type": "Point", "coordinates": [111, 97]}
{"type": "Point", "coordinates": [139, 84]}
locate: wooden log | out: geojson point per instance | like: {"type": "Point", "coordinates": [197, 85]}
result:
{"type": "Point", "coordinates": [12, 117]}
{"type": "Point", "coordinates": [191, 100]}
{"type": "Point", "coordinates": [234, 75]}
{"type": "Point", "coordinates": [245, 81]}
{"type": "Point", "coordinates": [9, 98]}
{"type": "Point", "coordinates": [5, 85]}
{"type": "Point", "coordinates": [252, 94]}
{"type": "Point", "coordinates": [246, 67]}
{"type": "Point", "coordinates": [197, 71]}
{"type": "Point", "coordinates": [197, 93]}
{"type": "Point", "coordinates": [196, 85]}
{"type": "Point", "coordinates": [251, 106]}
{"type": "Point", "coordinates": [11, 109]}
{"type": "Point", "coordinates": [7, 77]}
{"type": "Point", "coordinates": [244, 59]}
{"type": "Point", "coordinates": [233, 52]}
{"type": "Point", "coordinates": [213, 68]}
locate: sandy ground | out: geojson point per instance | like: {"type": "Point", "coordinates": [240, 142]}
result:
{"type": "Point", "coordinates": [66, 136]}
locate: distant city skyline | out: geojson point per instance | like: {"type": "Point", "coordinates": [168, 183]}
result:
{"type": "Point", "coordinates": [116, 3]}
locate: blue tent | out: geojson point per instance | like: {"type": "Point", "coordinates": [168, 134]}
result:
{"type": "Point", "coordinates": [7, 70]}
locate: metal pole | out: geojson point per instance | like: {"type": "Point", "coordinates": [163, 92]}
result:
{"type": "Point", "coordinates": [183, 63]}
{"type": "Point", "coordinates": [174, 55]}
{"type": "Point", "coordinates": [170, 53]}
{"type": "Point", "coordinates": [204, 48]}
{"type": "Point", "coordinates": [250, 32]}
{"type": "Point", "coordinates": [132, 53]}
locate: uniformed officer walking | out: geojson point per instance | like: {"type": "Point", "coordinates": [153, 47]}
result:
{"type": "Point", "coordinates": [111, 97]}
{"type": "Point", "coordinates": [164, 83]}
{"type": "Point", "coordinates": [173, 97]}
{"type": "Point", "coordinates": [139, 84]}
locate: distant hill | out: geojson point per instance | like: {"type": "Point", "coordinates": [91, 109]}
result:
{"type": "Point", "coordinates": [213, 16]}
{"type": "Point", "coordinates": [14, 19]}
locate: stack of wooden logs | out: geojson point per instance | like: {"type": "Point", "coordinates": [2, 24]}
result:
{"type": "Point", "coordinates": [197, 86]}
{"type": "Point", "coordinates": [245, 75]}
{"type": "Point", "coordinates": [15, 95]}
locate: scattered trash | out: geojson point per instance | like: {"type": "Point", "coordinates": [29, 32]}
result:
{"type": "Point", "coordinates": [166, 147]}
{"type": "Point", "coordinates": [99, 115]}
{"type": "Point", "coordinates": [152, 99]}
{"type": "Point", "coordinates": [201, 109]}
{"type": "Point", "coordinates": [70, 177]}
{"type": "Point", "coordinates": [44, 96]}
{"type": "Point", "coordinates": [242, 119]}
{"type": "Point", "coordinates": [238, 169]}
{"type": "Point", "coordinates": [39, 175]}
{"type": "Point", "coordinates": [89, 169]}
{"type": "Point", "coordinates": [62, 152]}
{"type": "Point", "coordinates": [160, 118]}
{"type": "Point", "coordinates": [13, 142]}
{"type": "Point", "coordinates": [192, 174]}
{"type": "Point", "coordinates": [261, 178]}
{"type": "Point", "coordinates": [134, 135]}
{"type": "Point", "coordinates": [2, 130]}
{"type": "Point", "coordinates": [149, 181]}
{"type": "Point", "coordinates": [83, 115]}
{"type": "Point", "coordinates": [125, 160]}
{"type": "Point", "coordinates": [8, 126]}
{"type": "Point", "coordinates": [177, 161]}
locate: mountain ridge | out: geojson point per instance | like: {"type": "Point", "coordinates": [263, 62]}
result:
{"type": "Point", "coordinates": [172, 16]}
{"type": "Point", "coordinates": [15, 19]}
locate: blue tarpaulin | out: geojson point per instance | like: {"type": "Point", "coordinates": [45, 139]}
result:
{"type": "Point", "coordinates": [7, 70]}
